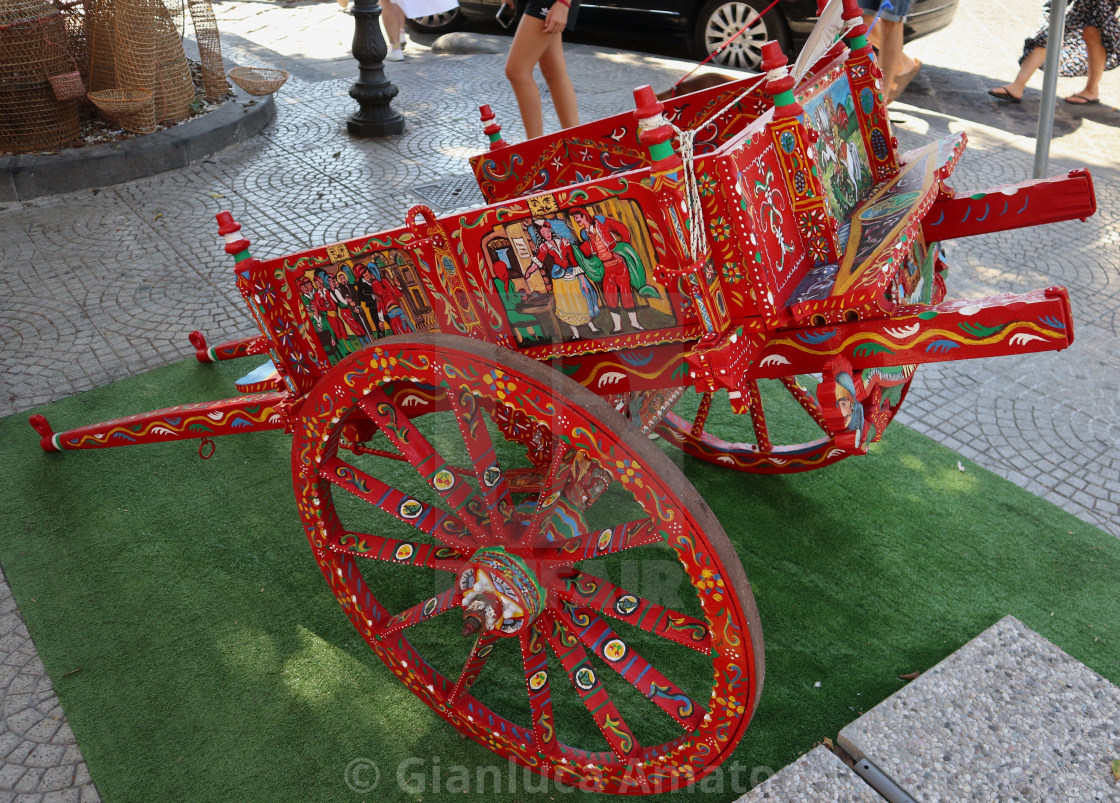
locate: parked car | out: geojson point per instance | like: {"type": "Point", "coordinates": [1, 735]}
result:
{"type": "Point", "coordinates": [708, 24]}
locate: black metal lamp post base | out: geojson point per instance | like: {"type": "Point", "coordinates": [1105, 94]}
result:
{"type": "Point", "coordinates": [373, 91]}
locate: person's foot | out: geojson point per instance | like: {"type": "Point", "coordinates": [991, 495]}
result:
{"type": "Point", "coordinates": [1004, 93]}
{"type": "Point", "coordinates": [903, 80]}
{"type": "Point", "coordinates": [394, 54]}
{"type": "Point", "coordinates": [1082, 99]}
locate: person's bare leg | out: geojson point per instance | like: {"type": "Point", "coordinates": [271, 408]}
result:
{"type": "Point", "coordinates": [392, 19]}
{"type": "Point", "coordinates": [1031, 63]}
{"type": "Point", "coordinates": [529, 44]}
{"type": "Point", "coordinates": [875, 37]}
{"type": "Point", "coordinates": [555, 72]}
{"type": "Point", "coordinates": [890, 55]}
{"type": "Point", "coordinates": [1097, 59]}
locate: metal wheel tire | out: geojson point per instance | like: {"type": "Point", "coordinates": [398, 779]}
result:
{"type": "Point", "coordinates": [484, 489]}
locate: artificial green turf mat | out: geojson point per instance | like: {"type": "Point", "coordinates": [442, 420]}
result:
{"type": "Point", "coordinates": [199, 655]}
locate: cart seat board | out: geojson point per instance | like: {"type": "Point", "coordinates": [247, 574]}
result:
{"type": "Point", "coordinates": [879, 234]}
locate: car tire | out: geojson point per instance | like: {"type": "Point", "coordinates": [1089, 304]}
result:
{"type": "Point", "coordinates": [719, 21]}
{"type": "Point", "coordinates": [437, 23]}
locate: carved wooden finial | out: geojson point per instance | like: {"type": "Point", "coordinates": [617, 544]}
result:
{"type": "Point", "coordinates": [493, 128]}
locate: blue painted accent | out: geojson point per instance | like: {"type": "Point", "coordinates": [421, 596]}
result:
{"type": "Point", "coordinates": [636, 358]}
{"type": "Point", "coordinates": [941, 347]}
{"type": "Point", "coordinates": [815, 338]}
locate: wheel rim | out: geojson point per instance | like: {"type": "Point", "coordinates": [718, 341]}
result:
{"type": "Point", "coordinates": [757, 443]}
{"type": "Point", "coordinates": [745, 52]}
{"type": "Point", "coordinates": [533, 526]}
{"type": "Point", "coordinates": [437, 20]}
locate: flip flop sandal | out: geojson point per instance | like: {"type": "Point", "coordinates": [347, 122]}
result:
{"type": "Point", "coordinates": [1001, 93]}
{"type": "Point", "coordinates": [1081, 100]}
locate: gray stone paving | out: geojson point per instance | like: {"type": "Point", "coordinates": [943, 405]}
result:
{"type": "Point", "coordinates": [818, 776]}
{"type": "Point", "coordinates": [39, 757]}
{"type": "Point", "coordinates": [1008, 716]}
{"type": "Point", "coordinates": [120, 276]}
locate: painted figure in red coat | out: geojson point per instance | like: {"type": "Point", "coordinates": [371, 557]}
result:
{"type": "Point", "coordinates": [609, 241]}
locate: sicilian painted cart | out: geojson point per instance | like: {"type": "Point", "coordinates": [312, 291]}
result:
{"type": "Point", "coordinates": [471, 397]}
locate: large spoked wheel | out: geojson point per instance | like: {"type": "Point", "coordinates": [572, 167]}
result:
{"type": "Point", "coordinates": [787, 429]}
{"type": "Point", "coordinates": [531, 566]}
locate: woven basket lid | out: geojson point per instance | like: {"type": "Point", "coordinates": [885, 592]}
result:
{"type": "Point", "coordinates": [17, 12]}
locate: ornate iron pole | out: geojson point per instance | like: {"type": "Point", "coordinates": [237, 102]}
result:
{"type": "Point", "coordinates": [373, 91]}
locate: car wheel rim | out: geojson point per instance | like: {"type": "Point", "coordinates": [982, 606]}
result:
{"type": "Point", "coordinates": [436, 20]}
{"type": "Point", "coordinates": [745, 52]}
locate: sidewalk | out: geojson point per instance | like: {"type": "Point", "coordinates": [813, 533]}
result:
{"type": "Point", "coordinates": [87, 273]}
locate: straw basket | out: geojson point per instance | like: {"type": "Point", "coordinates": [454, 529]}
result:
{"type": "Point", "coordinates": [67, 86]}
{"type": "Point", "coordinates": [116, 102]}
{"type": "Point", "coordinates": [258, 80]}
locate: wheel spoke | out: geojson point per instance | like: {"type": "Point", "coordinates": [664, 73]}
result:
{"type": "Point", "coordinates": [597, 636]}
{"type": "Point", "coordinates": [535, 660]}
{"type": "Point", "coordinates": [428, 462]}
{"type": "Point", "coordinates": [480, 653]}
{"type": "Point", "coordinates": [392, 550]}
{"type": "Point", "coordinates": [758, 416]}
{"type": "Point", "coordinates": [426, 518]}
{"type": "Point", "coordinates": [586, 683]}
{"type": "Point", "coordinates": [492, 482]}
{"type": "Point", "coordinates": [601, 595]}
{"type": "Point", "coordinates": [806, 399]}
{"type": "Point", "coordinates": [555, 484]}
{"type": "Point", "coordinates": [641, 532]}
{"type": "Point", "coordinates": [421, 612]}
{"type": "Point", "coordinates": [701, 419]}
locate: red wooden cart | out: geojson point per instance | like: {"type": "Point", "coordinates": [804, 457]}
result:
{"type": "Point", "coordinates": [471, 396]}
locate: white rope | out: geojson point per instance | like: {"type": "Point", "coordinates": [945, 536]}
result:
{"type": "Point", "coordinates": [698, 231]}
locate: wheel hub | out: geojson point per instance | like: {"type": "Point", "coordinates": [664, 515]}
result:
{"type": "Point", "coordinates": [500, 593]}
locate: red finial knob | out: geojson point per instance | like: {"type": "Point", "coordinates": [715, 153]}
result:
{"type": "Point", "coordinates": [236, 246]}
{"type": "Point", "coordinates": [494, 129]}
{"type": "Point", "coordinates": [226, 223]}
{"type": "Point", "coordinates": [779, 83]}
{"type": "Point", "coordinates": [852, 11]}
{"type": "Point", "coordinates": [654, 130]}
{"type": "Point", "coordinates": [647, 103]}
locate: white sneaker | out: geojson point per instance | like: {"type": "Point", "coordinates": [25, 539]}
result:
{"type": "Point", "coordinates": [395, 54]}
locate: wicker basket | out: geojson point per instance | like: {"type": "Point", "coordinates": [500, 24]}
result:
{"type": "Point", "coordinates": [67, 86]}
{"type": "Point", "coordinates": [258, 80]}
{"type": "Point", "coordinates": [116, 102]}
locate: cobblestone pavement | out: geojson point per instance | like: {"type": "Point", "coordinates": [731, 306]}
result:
{"type": "Point", "coordinates": [121, 275]}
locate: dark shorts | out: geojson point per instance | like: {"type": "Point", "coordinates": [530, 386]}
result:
{"type": "Point", "coordinates": [539, 9]}
{"type": "Point", "coordinates": [899, 12]}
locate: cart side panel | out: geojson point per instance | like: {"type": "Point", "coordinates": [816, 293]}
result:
{"type": "Point", "coordinates": [845, 123]}
{"type": "Point", "coordinates": [753, 232]}
{"type": "Point", "coordinates": [576, 270]}
{"type": "Point", "coordinates": [610, 145]}
{"type": "Point", "coordinates": [346, 295]}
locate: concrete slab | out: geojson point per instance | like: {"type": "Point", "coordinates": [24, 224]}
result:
{"type": "Point", "coordinates": [1009, 716]}
{"type": "Point", "coordinates": [818, 776]}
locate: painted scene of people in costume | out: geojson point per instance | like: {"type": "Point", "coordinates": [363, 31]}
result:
{"type": "Point", "coordinates": [584, 272]}
{"type": "Point", "coordinates": [841, 154]}
{"type": "Point", "coordinates": [356, 301]}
